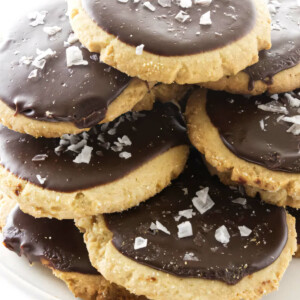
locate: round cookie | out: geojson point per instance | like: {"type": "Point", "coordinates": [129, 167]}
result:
{"type": "Point", "coordinates": [50, 85]}
{"type": "Point", "coordinates": [59, 246]}
{"type": "Point", "coordinates": [296, 214]}
{"type": "Point", "coordinates": [278, 69]}
{"type": "Point", "coordinates": [110, 168]}
{"type": "Point", "coordinates": [173, 41]}
{"type": "Point", "coordinates": [197, 239]}
{"type": "Point", "coordinates": [250, 141]}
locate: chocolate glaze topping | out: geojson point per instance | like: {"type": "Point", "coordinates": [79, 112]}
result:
{"type": "Point", "coordinates": [201, 255]}
{"type": "Point", "coordinates": [285, 51]}
{"type": "Point", "coordinates": [78, 94]}
{"type": "Point", "coordinates": [296, 213]}
{"type": "Point", "coordinates": [143, 135]}
{"type": "Point", "coordinates": [162, 33]}
{"type": "Point", "coordinates": [57, 243]}
{"type": "Point", "coordinates": [256, 135]}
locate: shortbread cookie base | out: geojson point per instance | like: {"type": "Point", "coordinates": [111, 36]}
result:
{"type": "Point", "coordinates": [202, 67]}
{"type": "Point", "coordinates": [285, 81]}
{"type": "Point", "coordinates": [279, 188]}
{"type": "Point", "coordinates": [157, 285]}
{"type": "Point", "coordinates": [129, 191]}
{"type": "Point", "coordinates": [133, 94]}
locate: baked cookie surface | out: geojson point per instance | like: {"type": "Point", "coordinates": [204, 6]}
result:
{"type": "Point", "coordinates": [197, 239]}
{"type": "Point", "coordinates": [251, 141]}
{"type": "Point", "coordinates": [278, 69]}
{"type": "Point", "coordinates": [59, 246]}
{"type": "Point", "coordinates": [50, 85]}
{"type": "Point", "coordinates": [63, 178]}
{"type": "Point", "coordinates": [296, 214]}
{"type": "Point", "coordinates": [173, 41]}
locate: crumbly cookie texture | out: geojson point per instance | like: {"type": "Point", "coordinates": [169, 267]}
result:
{"type": "Point", "coordinates": [119, 195]}
{"type": "Point", "coordinates": [203, 67]}
{"type": "Point", "coordinates": [133, 94]}
{"type": "Point", "coordinates": [284, 81]}
{"type": "Point", "coordinates": [277, 188]}
{"type": "Point", "coordinates": [87, 287]}
{"type": "Point", "coordinates": [142, 280]}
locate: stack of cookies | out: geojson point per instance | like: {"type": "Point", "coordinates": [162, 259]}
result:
{"type": "Point", "coordinates": [150, 149]}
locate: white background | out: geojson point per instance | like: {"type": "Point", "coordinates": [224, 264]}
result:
{"type": "Point", "coordinates": [19, 281]}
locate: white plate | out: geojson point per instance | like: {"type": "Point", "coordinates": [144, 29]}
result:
{"type": "Point", "coordinates": [18, 280]}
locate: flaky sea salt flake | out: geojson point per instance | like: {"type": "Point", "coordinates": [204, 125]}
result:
{"type": "Point", "coordinates": [241, 201]}
{"type": "Point", "coordinates": [205, 19]}
{"type": "Point", "coordinates": [165, 3]}
{"type": "Point", "coordinates": [37, 17]}
{"type": "Point", "coordinates": [41, 179]}
{"type": "Point", "coordinates": [140, 243]}
{"type": "Point", "coordinates": [139, 49]}
{"type": "Point", "coordinates": [125, 155]}
{"type": "Point", "coordinates": [245, 231]}
{"type": "Point", "coordinates": [202, 201]}
{"type": "Point", "coordinates": [182, 16]}
{"type": "Point", "coordinates": [84, 157]}
{"type": "Point", "coordinates": [149, 6]}
{"type": "Point", "coordinates": [75, 57]}
{"type": "Point", "coordinates": [222, 235]}
{"type": "Point", "coordinates": [40, 157]}
{"type": "Point", "coordinates": [185, 229]}
{"type": "Point", "coordinates": [52, 30]}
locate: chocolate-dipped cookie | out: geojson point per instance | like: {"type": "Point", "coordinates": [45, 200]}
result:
{"type": "Point", "coordinates": [110, 168]}
{"type": "Point", "coordinates": [50, 84]}
{"type": "Point", "coordinates": [197, 239]}
{"type": "Point", "coordinates": [173, 41]}
{"type": "Point", "coordinates": [59, 246]}
{"type": "Point", "coordinates": [278, 69]}
{"type": "Point", "coordinates": [250, 140]}
{"type": "Point", "coordinates": [296, 214]}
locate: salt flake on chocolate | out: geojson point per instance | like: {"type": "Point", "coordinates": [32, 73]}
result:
{"type": "Point", "coordinates": [33, 74]}
{"type": "Point", "coordinates": [202, 201]}
{"type": "Point", "coordinates": [149, 6]}
{"type": "Point", "coordinates": [190, 256]}
{"type": "Point", "coordinates": [41, 179]}
{"type": "Point", "coordinates": [293, 102]}
{"type": "Point", "coordinates": [241, 201]}
{"type": "Point", "coordinates": [205, 19]}
{"type": "Point", "coordinates": [187, 213]}
{"type": "Point", "coordinates": [203, 2]}
{"type": "Point", "coordinates": [164, 3]}
{"type": "Point", "coordinates": [294, 129]}
{"type": "Point", "coordinates": [84, 157]}
{"type": "Point", "coordinates": [125, 155]}
{"type": "Point", "coordinates": [245, 231]}
{"type": "Point", "coordinates": [185, 229]}
{"type": "Point", "coordinates": [37, 17]}
{"type": "Point", "coordinates": [52, 30]}
{"type": "Point", "coordinates": [185, 3]}
{"type": "Point", "coordinates": [222, 235]}
{"type": "Point", "coordinates": [75, 57]}
{"type": "Point", "coordinates": [294, 119]}
{"type": "Point", "coordinates": [182, 16]}
{"type": "Point", "coordinates": [40, 157]}
{"type": "Point", "coordinates": [140, 243]}
{"type": "Point", "coordinates": [273, 107]}
{"type": "Point", "coordinates": [161, 227]}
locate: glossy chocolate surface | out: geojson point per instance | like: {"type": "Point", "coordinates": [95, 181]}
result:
{"type": "Point", "coordinates": [285, 51]}
{"type": "Point", "coordinates": [59, 244]}
{"type": "Point", "coordinates": [78, 94]}
{"type": "Point", "coordinates": [201, 255]}
{"type": "Point", "coordinates": [163, 34]}
{"type": "Point", "coordinates": [150, 133]}
{"type": "Point", "coordinates": [253, 134]}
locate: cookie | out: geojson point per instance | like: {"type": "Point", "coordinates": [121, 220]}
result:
{"type": "Point", "coordinates": [59, 246]}
{"type": "Point", "coordinates": [110, 168]}
{"type": "Point", "coordinates": [250, 141]}
{"type": "Point", "coordinates": [278, 69]}
{"type": "Point", "coordinates": [50, 85]}
{"type": "Point", "coordinates": [173, 41]}
{"type": "Point", "coordinates": [296, 214]}
{"type": "Point", "coordinates": [197, 239]}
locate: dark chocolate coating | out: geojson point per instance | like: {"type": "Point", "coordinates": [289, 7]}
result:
{"type": "Point", "coordinates": [296, 213]}
{"type": "Point", "coordinates": [58, 243]}
{"type": "Point", "coordinates": [285, 51]}
{"type": "Point", "coordinates": [240, 257]}
{"type": "Point", "coordinates": [163, 35]}
{"type": "Point", "coordinates": [78, 94]}
{"type": "Point", "coordinates": [237, 119]}
{"type": "Point", "coordinates": [151, 134]}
